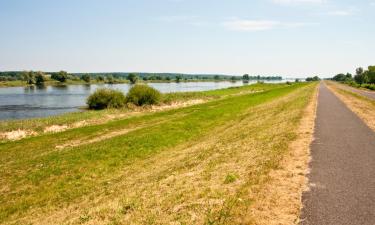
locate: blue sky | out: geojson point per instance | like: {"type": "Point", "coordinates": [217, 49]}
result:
{"type": "Point", "coordinates": [293, 38]}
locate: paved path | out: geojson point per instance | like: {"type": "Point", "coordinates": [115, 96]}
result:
{"type": "Point", "coordinates": [342, 177]}
{"type": "Point", "coordinates": [368, 94]}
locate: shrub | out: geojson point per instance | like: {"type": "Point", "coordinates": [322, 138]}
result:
{"type": "Point", "coordinates": [61, 76]}
{"type": "Point", "coordinates": [143, 95]}
{"type": "Point", "coordinates": [106, 98]}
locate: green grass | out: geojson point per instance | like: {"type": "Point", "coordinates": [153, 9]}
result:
{"type": "Point", "coordinates": [39, 124]}
{"type": "Point", "coordinates": [37, 175]}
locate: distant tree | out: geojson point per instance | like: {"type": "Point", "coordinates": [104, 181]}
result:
{"type": "Point", "coordinates": [39, 78]}
{"type": "Point", "coordinates": [29, 77]}
{"type": "Point", "coordinates": [233, 78]}
{"type": "Point", "coordinates": [61, 76]}
{"type": "Point", "coordinates": [297, 80]}
{"type": "Point", "coordinates": [110, 79]}
{"type": "Point", "coordinates": [359, 71]}
{"type": "Point", "coordinates": [132, 78]}
{"type": "Point", "coordinates": [339, 77]}
{"type": "Point", "coordinates": [178, 78]}
{"type": "Point", "coordinates": [86, 78]}
{"type": "Point", "coordinates": [371, 75]}
{"type": "Point", "coordinates": [217, 77]}
{"type": "Point", "coordinates": [315, 78]}
{"type": "Point", "coordinates": [100, 78]}
{"type": "Point", "coordinates": [246, 77]}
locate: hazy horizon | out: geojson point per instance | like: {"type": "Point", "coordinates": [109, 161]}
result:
{"type": "Point", "coordinates": [290, 38]}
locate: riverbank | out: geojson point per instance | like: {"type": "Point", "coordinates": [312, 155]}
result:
{"type": "Point", "coordinates": [204, 163]}
{"type": "Point", "coordinates": [16, 129]}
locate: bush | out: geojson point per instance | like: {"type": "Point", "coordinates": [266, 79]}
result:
{"type": "Point", "coordinates": [106, 98]}
{"type": "Point", "coordinates": [143, 95]}
{"type": "Point", "coordinates": [368, 86]}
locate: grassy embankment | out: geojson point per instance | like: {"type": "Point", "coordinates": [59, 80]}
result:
{"type": "Point", "coordinates": [364, 107]}
{"type": "Point", "coordinates": [200, 164]}
{"type": "Point", "coordinates": [89, 117]}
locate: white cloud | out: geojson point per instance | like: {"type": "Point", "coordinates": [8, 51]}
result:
{"type": "Point", "coordinates": [259, 25]}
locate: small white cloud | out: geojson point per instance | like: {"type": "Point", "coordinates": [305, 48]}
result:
{"type": "Point", "coordinates": [260, 25]}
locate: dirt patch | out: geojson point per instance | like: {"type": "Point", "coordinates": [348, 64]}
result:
{"type": "Point", "coordinates": [281, 198]}
{"type": "Point", "coordinates": [76, 143]}
{"type": "Point", "coordinates": [175, 105]}
{"type": "Point", "coordinates": [364, 108]}
{"type": "Point", "coordinates": [55, 128]}
{"type": "Point", "coordinates": [16, 135]}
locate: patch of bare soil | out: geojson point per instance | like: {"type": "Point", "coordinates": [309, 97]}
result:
{"type": "Point", "coordinates": [16, 134]}
{"type": "Point", "coordinates": [97, 139]}
{"type": "Point", "coordinates": [365, 109]}
{"type": "Point", "coordinates": [281, 198]}
{"type": "Point", "coordinates": [55, 128]}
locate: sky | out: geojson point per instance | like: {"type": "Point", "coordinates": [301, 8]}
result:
{"type": "Point", "coordinates": [292, 38]}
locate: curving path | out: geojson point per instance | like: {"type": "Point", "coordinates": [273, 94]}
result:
{"type": "Point", "coordinates": [342, 178]}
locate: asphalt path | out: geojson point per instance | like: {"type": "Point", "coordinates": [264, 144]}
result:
{"type": "Point", "coordinates": [342, 177]}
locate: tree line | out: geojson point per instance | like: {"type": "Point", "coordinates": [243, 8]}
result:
{"type": "Point", "coordinates": [362, 78]}
{"type": "Point", "coordinates": [39, 77]}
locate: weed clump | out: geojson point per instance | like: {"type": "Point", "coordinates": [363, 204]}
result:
{"type": "Point", "coordinates": [106, 98]}
{"type": "Point", "coordinates": [230, 178]}
{"type": "Point", "coordinates": [143, 95]}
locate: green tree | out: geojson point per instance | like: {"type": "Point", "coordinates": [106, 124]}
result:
{"type": "Point", "coordinates": [39, 78]}
{"type": "Point", "coordinates": [86, 78]}
{"type": "Point", "coordinates": [133, 78]}
{"type": "Point", "coordinates": [371, 75]}
{"type": "Point", "coordinates": [29, 77]}
{"type": "Point", "coordinates": [246, 77]}
{"type": "Point", "coordinates": [233, 78]}
{"type": "Point", "coordinates": [61, 76]}
{"type": "Point", "coordinates": [110, 79]}
{"type": "Point", "coordinates": [100, 78]}
{"type": "Point", "coordinates": [178, 78]}
{"type": "Point", "coordinates": [359, 71]}
{"type": "Point", "coordinates": [217, 77]}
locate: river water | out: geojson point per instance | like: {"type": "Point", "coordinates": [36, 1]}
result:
{"type": "Point", "coordinates": [31, 102]}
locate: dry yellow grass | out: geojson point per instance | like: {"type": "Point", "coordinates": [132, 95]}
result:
{"type": "Point", "coordinates": [223, 178]}
{"type": "Point", "coordinates": [280, 200]}
{"type": "Point", "coordinates": [362, 106]}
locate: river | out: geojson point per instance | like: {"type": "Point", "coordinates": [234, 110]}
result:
{"type": "Point", "coordinates": [31, 101]}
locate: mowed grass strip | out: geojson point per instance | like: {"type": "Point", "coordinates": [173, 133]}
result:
{"type": "Point", "coordinates": [51, 179]}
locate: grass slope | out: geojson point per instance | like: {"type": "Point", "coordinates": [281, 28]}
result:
{"type": "Point", "coordinates": [40, 182]}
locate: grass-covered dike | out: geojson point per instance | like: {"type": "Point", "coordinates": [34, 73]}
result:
{"type": "Point", "coordinates": [192, 165]}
